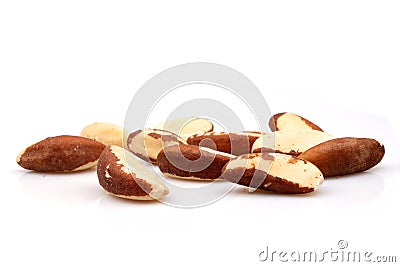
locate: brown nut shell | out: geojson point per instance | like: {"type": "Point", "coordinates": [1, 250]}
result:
{"type": "Point", "coordinates": [64, 153]}
{"type": "Point", "coordinates": [124, 176]}
{"type": "Point", "coordinates": [232, 143]}
{"type": "Point", "coordinates": [192, 162]}
{"type": "Point", "coordinates": [346, 155]}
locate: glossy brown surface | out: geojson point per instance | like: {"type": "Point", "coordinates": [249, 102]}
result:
{"type": "Point", "coordinates": [233, 143]}
{"type": "Point", "coordinates": [191, 161]}
{"type": "Point", "coordinates": [345, 155]}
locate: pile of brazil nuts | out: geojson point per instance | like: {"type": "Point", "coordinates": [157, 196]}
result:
{"type": "Point", "coordinates": [292, 159]}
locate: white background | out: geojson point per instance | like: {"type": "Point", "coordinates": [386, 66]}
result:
{"type": "Point", "coordinates": [64, 64]}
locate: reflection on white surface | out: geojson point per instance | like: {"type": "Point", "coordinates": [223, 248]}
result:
{"type": "Point", "coordinates": [336, 193]}
{"type": "Point", "coordinates": [78, 188]}
{"type": "Point", "coordinates": [109, 202]}
{"type": "Point", "coordinates": [351, 190]}
{"type": "Point", "coordinates": [176, 195]}
{"type": "Point", "coordinates": [82, 188]}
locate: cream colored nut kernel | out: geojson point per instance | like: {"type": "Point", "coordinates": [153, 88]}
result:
{"type": "Point", "coordinates": [106, 133]}
{"type": "Point", "coordinates": [185, 127]}
{"type": "Point", "coordinates": [148, 143]}
{"type": "Point", "coordinates": [290, 142]}
{"type": "Point", "coordinates": [291, 122]}
{"type": "Point", "coordinates": [124, 176]}
{"type": "Point", "coordinates": [274, 172]}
